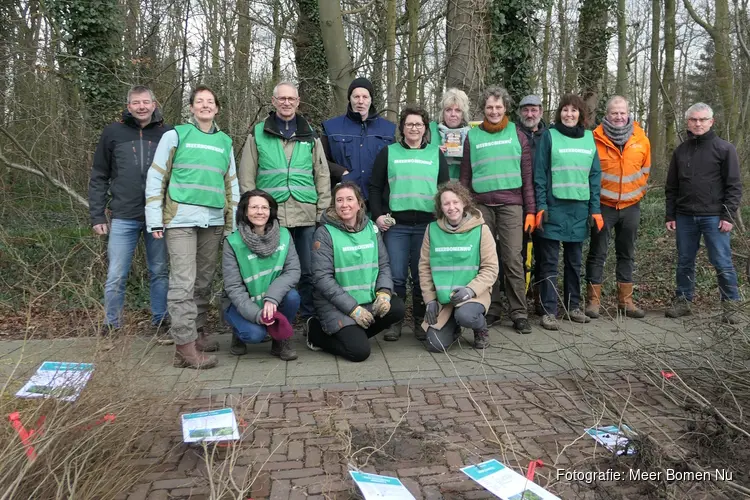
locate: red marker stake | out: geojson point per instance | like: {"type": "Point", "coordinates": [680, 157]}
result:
{"type": "Point", "coordinates": [532, 469]}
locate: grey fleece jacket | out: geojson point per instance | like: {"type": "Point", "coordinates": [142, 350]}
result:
{"type": "Point", "coordinates": [332, 303]}
{"type": "Point", "coordinates": [235, 291]}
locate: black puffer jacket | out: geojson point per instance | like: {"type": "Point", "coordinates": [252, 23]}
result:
{"type": "Point", "coordinates": [121, 162]}
{"type": "Point", "coordinates": [704, 178]}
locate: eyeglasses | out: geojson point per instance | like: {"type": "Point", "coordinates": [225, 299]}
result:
{"type": "Point", "coordinates": [260, 208]}
{"type": "Point", "coordinates": [414, 125]}
{"type": "Point", "coordinates": [699, 120]}
{"type": "Point", "coordinates": [286, 99]}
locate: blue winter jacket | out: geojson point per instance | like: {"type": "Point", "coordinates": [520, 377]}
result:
{"type": "Point", "coordinates": [354, 143]}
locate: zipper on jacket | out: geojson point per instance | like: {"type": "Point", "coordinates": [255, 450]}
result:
{"type": "Point", "coordinates": [140, 143]}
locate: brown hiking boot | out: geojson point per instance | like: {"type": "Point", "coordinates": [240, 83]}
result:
{"type": "Point", "coordinates": [187, 356]}
{"type": "Point", "coordinates": [593, 300]}
{"type": "Point", "coordinates": [625, 303]}
{"type": "Point", "coordinates": [731, 312]}
{"type": "Point", "coordinates": [283, 349]}
{"type": "Point", "coordinates": [206, 342]}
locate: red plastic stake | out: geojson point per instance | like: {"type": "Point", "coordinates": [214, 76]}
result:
{"type": "Point", "coordinates": [667, 375]}
{"type": "Point", "coordinates": [15, 420]}
{"type": "Point", "coordinates": [532, 469]}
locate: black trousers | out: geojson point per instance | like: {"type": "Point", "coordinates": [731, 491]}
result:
{"type": "Point", "coordinates": [625, 223]}
{"type": "Point", "coordinates": [353, 342]}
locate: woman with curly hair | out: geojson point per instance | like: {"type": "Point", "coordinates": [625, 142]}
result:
{"type": "Point", "coordinates": [457, 268]}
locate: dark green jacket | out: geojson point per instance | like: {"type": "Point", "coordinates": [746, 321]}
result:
{"type": "Point", "coordinates": [567, 220]}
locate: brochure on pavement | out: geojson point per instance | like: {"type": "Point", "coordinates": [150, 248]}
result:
{"type": "Point", "coordinates": [505, 482]}
{"type": "Point", "coordinates": [214, 425]}
{"type": "Point", "coordinates": [373, 486]}
{"type": "Point", "coordinates": [613, 438]}
{"type": "Point", "coordinates": [63, 381]}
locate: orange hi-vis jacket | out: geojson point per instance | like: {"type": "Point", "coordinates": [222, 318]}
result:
{"type": "Point", "coordinates": [624, 173]}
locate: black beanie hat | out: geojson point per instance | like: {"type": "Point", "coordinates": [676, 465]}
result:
{"type": "Point", "coordinates": [358, 83]}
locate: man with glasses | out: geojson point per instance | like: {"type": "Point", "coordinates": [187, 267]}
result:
{"type": "Point", "coordinates": [703, 193]}
{"type": "Point", "coordinates": [118, 183]}
{"type": "Point", "coordinates": [284, 157]}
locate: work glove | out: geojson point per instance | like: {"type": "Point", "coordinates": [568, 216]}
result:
{"type": "Point", "coordinates": [598, 221]}
{"type": "Point", "coordinates": [530, 224]}
{"type": "Point", "coordinates": [541, 218]}
{"type": "Point", "coordinates": [431, 313]}
{"type": "Point", "coordinates": [382, 304]}
{"type": "Point", "coordinates": [362, 316]}
{"type": "Point", "coordinates": [461, 294]}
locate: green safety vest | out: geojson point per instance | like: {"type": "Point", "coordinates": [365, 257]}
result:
{"type": "Point", "coordinates": [355, 261]}
{"type": "Point", "coordinates": [259, 272]}
{"type": "Point", "coordinates": [198, 167]}
{"type": "Point", "coordinates": [281, 178]}
{"type": "Point", "coordinates": [454, 259]}
{"type": "Point", "coordinates": [495, 159]}
{"type": "Point", "coordinates": [570, 163]}
{"type": "Point", "coordinates": [412, 177]}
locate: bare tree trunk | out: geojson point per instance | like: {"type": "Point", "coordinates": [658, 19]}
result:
{"type": "Point", "coordinates": [392, 113]}
{"type": "Point", "coordinates": [242, 47]}
{"type": "Point", "coordinates": [276, 58]}
{"type": "Point", "coordinates": [412, 14]}
{"type": "Point", "coordinates": [340, 70]}
{"type": "Point", "coordinates": [310, 59]}
{"type": "Point", "coordinates": [621, 87]}
{"type": "Point", "coordinates": [378, 55]}
{"type": "Point", "coordinates": [545, 62]}
{"type": "Point", "coordinates": [654, 131]}
{"type": "Point", "coordinates": [593, 39]}
{"type": "Point", "coordinates": [670, 91]}
{"type": "Point", "coordinates": [466, 46]}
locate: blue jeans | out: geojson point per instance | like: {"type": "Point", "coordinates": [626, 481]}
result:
{"type": "Point", "coordinates": [123, 238]}
{"type": "Point", "coordinates": [548, 255]}
{"type": "Point", "coordinates": [689, 231]}
{"type": "Point", "coordinates": [404, 243]}
{"type": "Point", "coordinates": [303, 239]}
{"type": "Point", "coordinates": [253, 333]}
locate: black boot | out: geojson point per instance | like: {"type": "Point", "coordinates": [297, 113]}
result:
{"type": "Point", "coordinates": [238, 347]}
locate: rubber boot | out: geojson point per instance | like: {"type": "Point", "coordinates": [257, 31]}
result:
{"type": "Point", "coordinates": [625, 303]}
{"type": "Point", "coordinates": [593, 300]}
{"type": "Point", "coordinates": [187, 356]}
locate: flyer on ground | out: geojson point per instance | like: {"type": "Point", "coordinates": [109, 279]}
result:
{"type": "Point", "coordinates": [613, 438]}
{"type": "Point", "coordinates": [214, 425]}
{"type": "Point", "coordinates": [59, 380]}
{"type": "Point", "coordinates": [505, 482]}
{"type": "Point", "coordinates": [374, 486]}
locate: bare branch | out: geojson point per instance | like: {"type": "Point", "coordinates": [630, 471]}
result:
{"type": "Point", "coordinates": [358, 9]}
{"type": "Point", "coordinates": [704, 24]}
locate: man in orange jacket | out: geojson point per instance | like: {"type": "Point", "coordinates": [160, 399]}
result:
{"type": "Point", "coordinates": [625, 156]}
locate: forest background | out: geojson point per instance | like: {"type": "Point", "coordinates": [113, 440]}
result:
{"type": "Point", "coordinates": [66, 66]}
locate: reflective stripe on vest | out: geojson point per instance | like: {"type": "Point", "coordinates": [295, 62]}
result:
{"type": "Point", "coordinates": [198, 167]}
{"type": "Point", "coordinates": [355, 261]}
{"type": "Point", "coordinates": [281, 178]}
{"type": "Point", "coordinates": [495, 159]}
{"type": "Point", "coordinates": [570, 164]}
{"type": "Point", "coordinates": [259, 272]}
{"type": "Point", "coordinates": [412, 177]}
{"type": "Point", "coordinates": [454, 259]}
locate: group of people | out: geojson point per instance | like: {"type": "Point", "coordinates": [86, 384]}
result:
{"type": "Point", "coordinates": [339, 226]}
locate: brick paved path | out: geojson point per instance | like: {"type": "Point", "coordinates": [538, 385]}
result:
{"type": "Point", "coordinates": [300, 444]}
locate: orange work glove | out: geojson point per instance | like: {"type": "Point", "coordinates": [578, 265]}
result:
{"type": "Point", "coordinates": [599, 221]}
{"type": "Point", "coordinates": [541, 216]}
{"type": "Point", "coordinates": [529, 224]}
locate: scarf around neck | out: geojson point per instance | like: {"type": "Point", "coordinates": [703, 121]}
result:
{"type": "Point", "coordinates": [262, 245]}
{"type": "Point", "coordinates": [493, 128]}
{"type": "Point", "coordinates": [575, 132]}
{"type": "Point", "coordinates": [618, 135]}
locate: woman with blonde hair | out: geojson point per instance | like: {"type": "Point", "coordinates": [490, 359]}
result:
{"type": "Point", "coordinates": [451, 128]}
{"type": "Point", "coordinates": [457, 268]}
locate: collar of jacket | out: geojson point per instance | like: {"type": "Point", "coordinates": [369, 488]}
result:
{"type": "Point", "coordinates": [424, 142]}
{"type": "Point", "coordinates": [304, 132]}
{"type": "Point", "coordinates": [702, 138]}
{"type": "Point", "coordinates": [539, 128]}
{"type": "Point", "coordinates": [372, 115]}
{"type": "Point", "coordinates": [331, 217]}
{"type": "Point", "coordinates": [156, 119]}
{"type": "Point", "coordinates": [214, 127]}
